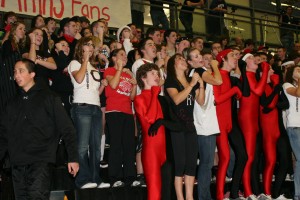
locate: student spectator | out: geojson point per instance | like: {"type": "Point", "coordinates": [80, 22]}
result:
{"type": "Point", "coordinates": [216, 48]}
{"type": "Point", "coordinates": [16, 40]}
{"type": "Point", "coordinates": [40, 56]}
{"type": "Point", "coordinates": [154, 33]}
{"type": "Point", "coordinates": [124, 36]}
{"type": "Point", "coordinates": [181, 44]}
{"type": "Point", "coordinates": [85, 22]}
{"type": "Point", "coordinates": [197, 42]}
{"type": "Point", "coordinates": [86, 114]}
{"type": "Point", "coordinates": [30, 128]}
{"type": "Point", "coordinates": [9, 19]}
{"type": "Point", "coordinates": [86, 32]}
{"type": "Point", "coordinates": [120, 91]}
{"type": "Point", "coordinates": [170, 37]}
{"type": "Point", "coordinates": [69, 32]}
{"type": "Point", "coordinates": [61, 81]}
{"type": "Point", "coordinates": [182, 93]}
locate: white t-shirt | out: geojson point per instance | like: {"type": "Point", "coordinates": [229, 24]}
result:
{"type": "Point", "coordinates": [205, 117]}
{"type": "Point", "coordinates": [88, 90]}
{"type": "Point", "coordinates": [293, 117]}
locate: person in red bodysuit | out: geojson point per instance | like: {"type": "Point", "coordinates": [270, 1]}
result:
{"type": "Point", "coordinates": [223, 94]}
{"type": "Point", "coordinates": [270, 129]}
{"type": "Point", "coordinates": [248, 117]}
{"type": "Point", "coordinates": [151, 112]}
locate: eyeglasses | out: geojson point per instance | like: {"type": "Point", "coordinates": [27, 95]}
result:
{"type": "Point", "coordinates": [89, 44]}
{"type": "Point", "coordinates": [96, 76]}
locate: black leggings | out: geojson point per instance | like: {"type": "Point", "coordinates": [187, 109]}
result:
{"type": "Point", "coordinates": [237, 143]}
{"type": "Point", "coordinates": [185, 149]}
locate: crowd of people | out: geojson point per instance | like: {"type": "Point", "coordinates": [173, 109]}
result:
{"type": "Point", "coordinates": [161, 100]}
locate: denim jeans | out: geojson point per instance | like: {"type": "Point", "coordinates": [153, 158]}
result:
{"type": "Point", "coordinates": [294, 136]}
{"type": "Point", "coordinates": [87, 121]}
{"type": "Point", "coordinates": [206, 148]}
{"type": "Point", "coordinates": [159, 17]}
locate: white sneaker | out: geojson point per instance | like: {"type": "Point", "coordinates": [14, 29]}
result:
{"type": "Point", "coordinates": [104, 185]}
{"type": "Point", "coordinates": [282, 197]}
{"type": "Point", "coordinates": [251, 197]}
{"type": "Point", "coordinates": [118, 184]}
{"type": "Point", "coordinates": [136, 183]}
{"type": "Point", "coordinates": [89, 185]}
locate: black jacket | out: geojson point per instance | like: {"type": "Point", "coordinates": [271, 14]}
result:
{"type": "Point", "coordinates": [31, 125]}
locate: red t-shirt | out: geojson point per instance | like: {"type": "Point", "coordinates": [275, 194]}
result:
{"type": "Point", "coordinates": [118, 99]}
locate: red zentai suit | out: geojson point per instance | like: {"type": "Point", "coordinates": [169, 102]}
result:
{"type": "Point", "coordinates": [248, 120]}
{"type": "Point", "coordinates": [148, 110]}
{"type": "Point", "coordinates": [270, 130]}
{"type": "Point", "coordinates": [223, 94]}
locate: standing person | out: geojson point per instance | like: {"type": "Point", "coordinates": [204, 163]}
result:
{"type": "Point", "coordinates": [9, 19]}
{"type": "Point", "coordinates": [29, 130]}
{"type": "Point", "coordinates": [215, 24]}
{"type": "Point", "coordinates": [137, 13]}
{"type": "Point", "coordinates": [269, 129]}
{"type": "Point", "coordinates": [120, 92]}
{"type": "Point", "coordinates": [186, 15]}
{"type": "Point", "coordinates": [61, 81]}
{"type": "Point", "coordinates": [248, 117]}
{"type": "Point", "coordinates": [170, 37]}
{"type": "Point", "coordinates": [42, 57]}
{"type": "Point", "coordinates": [182, 93]}
{"type": "Point", "coordinates": [154, 33]}
{"type": "Point", "coordinates": [223, 94]}
{"type": "Point", "coordinates": [158, 15]}
{"type": "Point", "coordinates": [292, 91]}
{"type": "Point", "coordinates": [69, 32]}
{"type": "Point", "coordinates": [86, 113]}
{"type": "Point", "coordinates": [197, 42]}
{"type": "Point", "coordinates": [287, 24]}
{"type": "Point", "coordinates": [15, 42]}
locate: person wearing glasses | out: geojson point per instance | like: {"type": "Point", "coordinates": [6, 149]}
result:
{"type": "Point", "coordinates": [86, 113]}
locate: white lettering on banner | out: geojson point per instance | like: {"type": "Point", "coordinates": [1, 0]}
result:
{"type": "Point", "coordinates": [117, 12]}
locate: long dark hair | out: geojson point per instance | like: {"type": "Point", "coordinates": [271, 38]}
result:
{"type": "Point", "coordinates": [171, 71]}
{"type": "Point", "coordinates": [78, 55]}
{"type": "Point", "coordinates": [114, 54]}
{"type": "Point", "coordinates": [289, 75]}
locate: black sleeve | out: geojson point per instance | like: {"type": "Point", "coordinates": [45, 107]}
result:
{"type": "Point", "coordinates": [283, 102]}
{"type": "Point", "coordinates": [266, 100]}
{"type": "Point", "coordinates": [65, 127]}
{"type": "Point", "coordinates": [61, 60]}
{"type": "Point", "coordinates": [6, 49]}
{"type": "Point", "coordinates": [244, 84]}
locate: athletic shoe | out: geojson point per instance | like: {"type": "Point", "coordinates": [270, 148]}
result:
{"type": "Point", "coordinates": [89, 185]}
{"type": "Point", "coordinates": [289, 177]}
{"type": "Point", "coordinates": [118, 184]}
{"type": "Point", "coordinates": [264, 197]}
{"type": "Point", "coordinates": [282, 197]}
{"type": "Point", "coordinates": [251, 197]}
{"type": "Point", "coordinates": [104, 185]}
{"type": "Point", "coordinates": [136, 183]}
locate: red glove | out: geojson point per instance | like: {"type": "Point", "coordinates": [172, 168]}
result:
{"type": "Point", "coordinates": [265, 67]}
{"type": "Point", "coordinates": [275, 79]}
{"type": "Point", "coordinates": [155, 90]}
{"type": "Point", "coordinates": [7, 27]}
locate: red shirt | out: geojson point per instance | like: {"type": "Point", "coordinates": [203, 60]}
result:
{"type": "Point", "coordinates": [118, 99]}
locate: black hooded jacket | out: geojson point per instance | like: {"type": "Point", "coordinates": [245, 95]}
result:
{"type": "Point", "coordinates": [31, 126]}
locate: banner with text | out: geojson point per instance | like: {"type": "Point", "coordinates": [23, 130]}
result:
{"type": "Point", "coordinates": [117, 12]}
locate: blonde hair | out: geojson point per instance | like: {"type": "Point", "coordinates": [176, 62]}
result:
{"type": "Point", "coordinates": [16, 45]}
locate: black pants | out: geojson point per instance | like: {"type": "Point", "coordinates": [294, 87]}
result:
{"type": "Point", "coordinates": [237, 143]}
{"type": "Point", "coordinates": [32, 181]}
{"type": "Point", "coordinates": [122, 147]}
{"type": "Point", "coordinates": [185, 149]}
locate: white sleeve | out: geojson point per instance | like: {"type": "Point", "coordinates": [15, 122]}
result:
{"type": "Point", "coordinates": [127, 45]}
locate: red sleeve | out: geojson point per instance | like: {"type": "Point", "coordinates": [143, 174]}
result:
{"type": "Point", "coordinates": [150, 114]}
{"type": "Point", "coordinates": [109, 72]}
{"type": "Point", "coordinates": [220, 98]}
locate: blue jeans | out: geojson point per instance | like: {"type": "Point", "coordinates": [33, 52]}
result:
{"type": "Point", "coordinates": [159, 17]}
{"type": "Point", "coordinates": [294, 136]}
{"type": "Point", "coordinates": [206, 148]}
{"type": "Point", "coordinates": [87, 121]}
